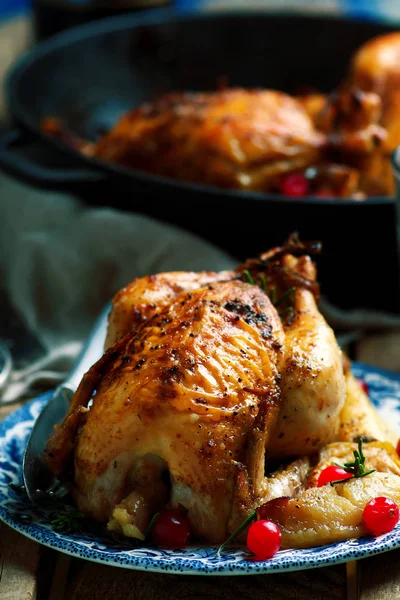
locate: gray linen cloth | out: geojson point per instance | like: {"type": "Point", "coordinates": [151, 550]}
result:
{"type": "Point", "coordinates": [60, 262]}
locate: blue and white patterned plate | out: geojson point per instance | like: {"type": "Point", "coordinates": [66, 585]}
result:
{"type": "Point", "coordinates": [33, 522]}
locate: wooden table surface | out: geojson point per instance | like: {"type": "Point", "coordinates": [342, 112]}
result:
{"type": "Point", "coordinates": [30, 571]}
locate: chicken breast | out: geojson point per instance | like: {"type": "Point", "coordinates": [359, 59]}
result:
{"type": "Point", "coordinates": [191, 389]}
{"type": "Point", "coordinates": [141, 299]}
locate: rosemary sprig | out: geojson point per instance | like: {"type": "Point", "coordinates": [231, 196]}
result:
{"type": "Point", "coordinates": [355, 467]}
{"type": "Point", "coordinates": [272, 295]}
{"type": "Point", "coordinates": [286, 311]}
{"type": "Point", "coordinates": [239, 530]}
{"type": "Point", "coordinates": [284, 296]}
{"type": "Point", "coordinates": [248, 276]}
{"type": "Point", "coordinates": [271, 292]}
{"type": "Point", "coordinates": [151, 525]}
{"type": "Point", "coordinates": [68, 521]}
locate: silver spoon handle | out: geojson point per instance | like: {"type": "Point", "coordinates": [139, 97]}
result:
{"type": "Point", "coordinates": [92, 350]}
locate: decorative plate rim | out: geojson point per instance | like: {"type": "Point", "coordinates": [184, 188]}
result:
{"type": "Point", "coordinates": [384, 389]}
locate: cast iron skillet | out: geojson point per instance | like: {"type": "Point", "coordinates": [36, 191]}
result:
{"type": "Point", "coordinates": [90, 75]}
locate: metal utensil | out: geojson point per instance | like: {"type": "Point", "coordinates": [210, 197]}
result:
{"type": "Point", "coordinates": [5, 366]}
{"type": "Point", "coordinates": [37, 478]}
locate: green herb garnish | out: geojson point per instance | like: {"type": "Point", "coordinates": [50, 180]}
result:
{"type": "Point", "coordinates": [286, 311]}
{"type": "Point", "coordinates": [150, 526]}
{"type": "Point", "coordinates": [271, 292]}
{"type": "Point", "coordinates": [249, 277]}
{"type": "Point", "coordinates": [241, 527]}
{"type": "Point", "coordinates": [272, 295]}
{"type": "Point", "coordinates": [284, 296]}
{"type": "Point", "coordinates": [68, 521]}
{"type": "Point", "coordinates": [355, 467]}
{"type": "Point", "coordinates": [263, 283]}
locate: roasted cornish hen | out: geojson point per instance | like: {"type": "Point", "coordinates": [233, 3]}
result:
{"type": "Point", "coordinates": [206, 373]}
{"type": "Point", "coordinates": [338, 144]}
{"type": "Point", "coordinates": [235, 138]}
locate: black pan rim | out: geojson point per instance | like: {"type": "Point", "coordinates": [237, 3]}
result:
{"type": "Point", "coordinates": [160, 17]}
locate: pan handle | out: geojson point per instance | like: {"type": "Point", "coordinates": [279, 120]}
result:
{"type": "Point", "coordinates": [25, 169]}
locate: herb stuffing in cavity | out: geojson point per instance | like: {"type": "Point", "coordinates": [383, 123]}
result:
{"type": "Point", "coordinates": [350, 470]}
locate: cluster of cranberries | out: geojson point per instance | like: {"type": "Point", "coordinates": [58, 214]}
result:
{"type": "Point", "coordinates": [171, 529]}
{"type": "Point", "coordinates": [297, 184]}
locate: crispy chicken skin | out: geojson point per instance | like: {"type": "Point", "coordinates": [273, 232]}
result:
{"type": "Point", "coordinates": [191, 396]}
{"type": "Point", "coordinates": [233, 138]}
{"type": "Point", "coordinates": [312, 362]}
{"type": "Point", "coordinates": [312, 386]}
{"type": "Point", "coordinates": [141, 299]}
{"type": "Point", "coordinates": [190, 388]}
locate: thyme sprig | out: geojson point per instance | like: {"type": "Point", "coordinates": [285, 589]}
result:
{"type": "Point", "coordinates": [355, 467]}
{"type": "Point", "coordinates": [151, 525]}
{"type": "Point", "coordinates": [242, 526]}
{"type": "Point", "coordinates": [249, 277]}
{"type": "Point", "coordinates": [284, 296]}
{"type": "Point", "coordinates": [271, 292]}
{"type": "Point", "coordinates": [68, 521]}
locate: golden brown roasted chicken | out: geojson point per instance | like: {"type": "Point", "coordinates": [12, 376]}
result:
{"type": "Point", "coordinates": [208, 379]}
{"type": "Point", "coordinates": [340, 143]}
{"type": "Point", "coordinates": [233, 138]}
{"type": "Point", "coordinates": [203, 378]}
